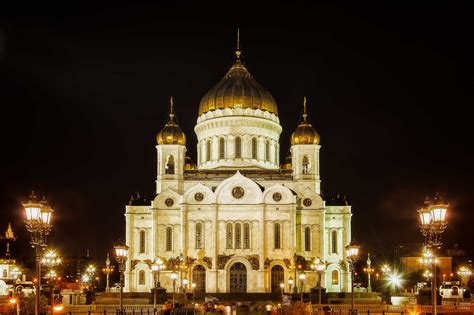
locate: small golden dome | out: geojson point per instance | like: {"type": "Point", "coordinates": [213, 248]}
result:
{"type": "Point", "coordinates": [305, 133]}
{"type": "Point", "coordinates": [189, 163]}
{"type": "Point", "coordinates": [287, 165]}
{"type": "Point", "coordinates": [238, 89]}
{"type": "Point", "coordinates": [171, 133]}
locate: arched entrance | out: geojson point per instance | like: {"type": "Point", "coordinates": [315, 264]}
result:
{"type": "Point", "coordinates": [199, 278]}
{"type": "Point", "coordinates": [238, 278]}
{"type": "Point", "coordinates": [278, 276]}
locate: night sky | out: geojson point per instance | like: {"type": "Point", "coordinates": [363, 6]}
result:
{"type": "Point", "coordinates": [85, 87]}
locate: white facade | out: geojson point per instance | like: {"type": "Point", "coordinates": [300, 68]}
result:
{"type": "Point", "coordinates": [237, 220]}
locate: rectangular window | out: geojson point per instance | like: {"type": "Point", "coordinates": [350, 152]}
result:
{"type": "Point", "coordinates": [169, 239]}
{"type": "Point", "coordinates": [238, 235]}
{"type": "Point", "coordinates": [229, 235]}
{"type": "Point", "coordinates": [246, 236]}
{"type": "Point", "coordinates": [277, 235]}
{"type": "Point", "coordinates": [307, 239]}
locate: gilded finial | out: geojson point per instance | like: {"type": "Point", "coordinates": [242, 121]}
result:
{"type": "Point", "coordinates": [305, 114]}
{"type": "Point", "coordinates": [238, 52]}
{"type": "Point", "coordinates": [171, 107]}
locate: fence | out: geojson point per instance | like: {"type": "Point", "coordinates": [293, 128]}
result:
{"type": "Point", "coordinates": [307, 309]}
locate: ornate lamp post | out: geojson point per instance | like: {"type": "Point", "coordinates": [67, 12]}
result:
{"type": "Point", "coordinates": [282, 289]}
{"type": "Point", "coordinates": [432, 224]}
{"type": "Point", "coordinates": [352, 253]}
{"type": "Point", "coordinates": [51, 259]}
{"type": "Point", "coordinates": [173, 277]}
{"type": "Point", "coordinates": [464, 273]}
{"type": "Point", "coordinates": [385, 269]}
{"type": "Point", "coordinates": [319, 266]}
{"type": "Point", "coordinates": [121, 252]}
{"type": "Point", "coordinates": [185, 286]}
{"type": "Point", "coordinates": [302, 278]}
{"type": "Point", "coordinates": [107, 270]}
{"type": "Point", "coordinates": [156, 268]}
{"type": "Point", "coordinates": [38, 223]}
{"type": "Point", "coordinates": [290, 284]}
{"type": "Point", "coordinates": [369, 270]}
{"type": "Point", "coordinates": [193, 287]}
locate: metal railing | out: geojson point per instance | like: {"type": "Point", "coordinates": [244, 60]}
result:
{"type": "Point", "coordinates": [387, 309]}
{"type": "Point", "coordinates": [113, 309]}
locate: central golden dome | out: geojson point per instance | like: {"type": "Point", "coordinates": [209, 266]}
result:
{"type": "Point", "coordinates": [238, 89]}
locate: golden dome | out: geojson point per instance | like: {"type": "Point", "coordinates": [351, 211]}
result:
{"type": "Point", "coordinates": [171, 133]}
{"type": "Point", "coordinates": [238, 89]}
{"type": "Point", "coordinates": [305, 133]}
{"type": "Point", "coordinates": [287, 165]}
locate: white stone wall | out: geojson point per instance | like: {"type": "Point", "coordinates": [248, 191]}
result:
{"type": "Point", "coordinates": [244, 123]}
{"type": "Point", "coordinates": [219, 208]}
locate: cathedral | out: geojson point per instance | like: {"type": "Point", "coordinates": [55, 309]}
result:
{"type": "Point", "coordinates": [238, 220]}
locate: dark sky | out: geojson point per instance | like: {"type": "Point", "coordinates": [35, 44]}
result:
{"type": "Point", "coordinates": [84, 88]}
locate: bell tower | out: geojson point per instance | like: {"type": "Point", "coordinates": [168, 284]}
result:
{"type": "Point", "coordinates": [171, 151]}
{"type": "Point", "coordinates": [305, 153]}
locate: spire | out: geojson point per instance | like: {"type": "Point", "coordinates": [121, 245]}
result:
{"type": "Point", "coordinates": [171, 107]}
{"type": "Point", "coordinates": [238, 52]}
{"type": "Point", "coordinates": [305, 113]}
{"type": "Point", "coordinates": [9, 233]}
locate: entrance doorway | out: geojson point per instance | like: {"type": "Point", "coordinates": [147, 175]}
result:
{"type": "Point", "coordinates": [199, 278]}
{"type": "Point", "coordinates": [238, 278]}
{"type": "Point", "coordinates": [278, 276]}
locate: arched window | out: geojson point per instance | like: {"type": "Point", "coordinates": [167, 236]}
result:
{"type": "Point", "coordinates": [229, 235]}
{"type": "Point", "coordinates": [141, 277]}
{"type": "Point", "coordinates": [169, 167]}
{"type": "Point", "coordinates": [5, 273]}
{"type": "Point", "coordinates": [254, 148]}
{"type": "Point", "coordinates": [267, 150]}
{"type": "Point", "coordinates": [238, 235]}
{"type": "Point", "coordinates": [221, 148]}
{"type": "Point", "coordinates": [238, 147]}
{"type": "Point", "coordinates": [335, 277]}
{"type": "Point", "coordinates": [277, 235]}
{"type": "Point", "coordinates": [334, 242]}
{"type": "Point", "coordinates": [277, 160]}
{"type": "Point", "coordinates": [169, 239]}
{"type": "Point", "coordinates": [208, 150]}
{"type": "Point", "coordinates": [305, 165]}
{"type": "Point", "coordinates": [246, 236]}
{"type": "Point", "coordinates": [142, 241]}
{"type": "Point", "coordinates": [307, 238]}
{"type": "Point", "coordinates": [198, 236]}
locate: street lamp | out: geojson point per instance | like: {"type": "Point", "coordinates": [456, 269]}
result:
{"type": "Point", "coordinates": [432, 224]}
{"type": "Point", "coordinates": [385, 269]}
{"type": "Point", "coordinates": [107, 270]}
{"type": "Point", "coordinates": [319, 266]}
{"type": "Point", "coordinates": [121, 252]}
{"type": "Point", "coordinates": [369, 270]}
{"type": "Point", "coordinates": [38, 223]}
{"type": "Point", "coordinates": [155, 269]}
{"type": "Point", "coordinates": [302, 278]}
{"type": "Point", "coordinates": [282, 289]}
{"type": "Point", "coordinates": [395, 281]}
{"type": "Point", "coordinates": [173, 277]}
{"type": "Point", "coordinates": [193, 287]}
{"type": "Point", "coordinates": [290, 284]}
{"type": "Point", "coordinates": [352, 253]}
{"type": "Point", "coordinates": [185, 286]}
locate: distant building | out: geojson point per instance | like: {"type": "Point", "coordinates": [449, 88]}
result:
{"type": "Point", "coordinates": [413, 264]}
{"type": "Point", "coordinates": [72, 268]}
